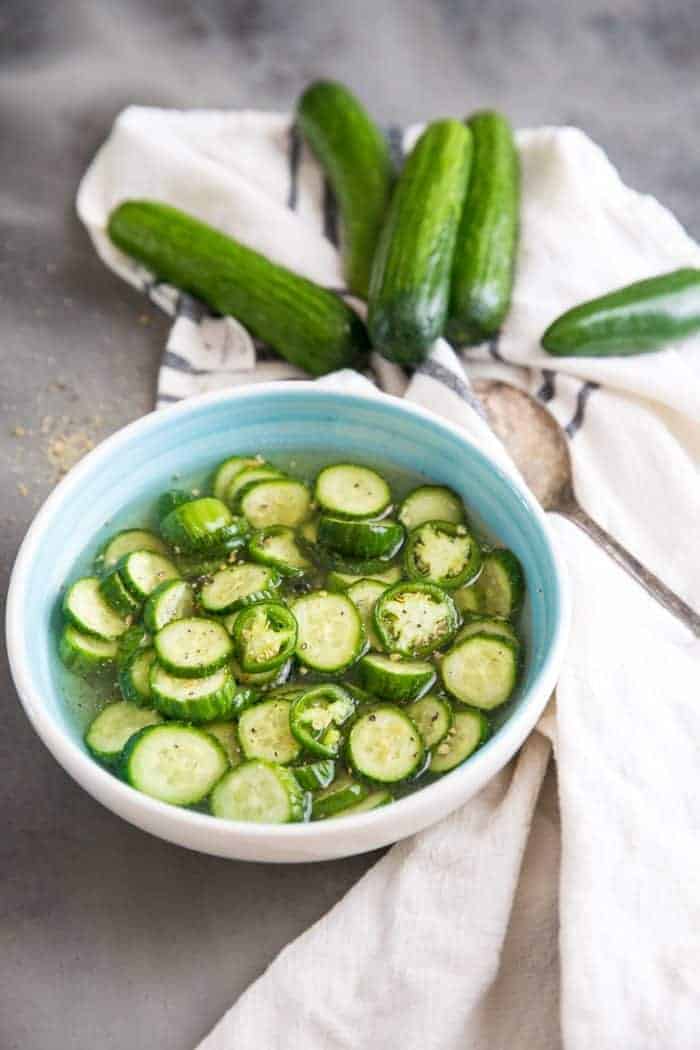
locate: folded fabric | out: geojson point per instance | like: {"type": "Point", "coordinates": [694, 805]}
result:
{"type": "Point", "coordinates": [516, 922]}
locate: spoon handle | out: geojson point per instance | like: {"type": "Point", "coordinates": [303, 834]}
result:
{"type": "Point", "coordinates": [642, 575]}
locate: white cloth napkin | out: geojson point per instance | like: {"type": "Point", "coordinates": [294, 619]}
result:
{"type": "Point", "coordinates": [516, 922]}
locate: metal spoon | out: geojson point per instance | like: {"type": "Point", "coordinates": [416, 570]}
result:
{"type": "Point", "coordinates": [540, 450]}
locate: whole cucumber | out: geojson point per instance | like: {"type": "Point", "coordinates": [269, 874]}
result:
{"type": "Point", "coordinates": [410, 283]}
{"type": "Point", "coordinates": [636, 319]}
{"type": "Point", "coordinates": [355, 156]}
{"type": "Point", "coordinates": [309, 326]}
{"type": "Point", "coordinates": [484, 265]}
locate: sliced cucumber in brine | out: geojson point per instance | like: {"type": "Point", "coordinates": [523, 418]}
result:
{"type": "Point", "coordinates": [431, 503]}
{"type": "Point", "coordinates": [237, 586]}
{"type": "Point", "coordinates": [125, 542]}
{"type": "Point", "coordinates": [193, 647]}
{"type": "Point", "coordinates": [84, 654]}
{"type": "Point", "coordinates": [174, 763]}
{"type": "Point", "coordinates": [384, 745]}
{"type": "Point", "coordinates": [469, 730]}
{"type": "Point", "coordinates": [246, 478]}
{"type": "Point", "coordinates": [352, 491]}
{"type": "Point", "coordinates": [361, 539]}
{"type": "Point", "coordinates": [330, 633]}
{"type": "Point", "coordinates": [313, 776]}
{"type": "Point", "coordinates": [487, 625]}
{"type": "Point", "coordinates": [109, 732]}
{"type": "Point", "coordinates": [143, 571]}
{"type": "Point", "coordinates": [364, 594]}
{"type": "Point", "coordinates": [276, 502]}
{"type": "Point", "coordinates": [263, 732]}
{"type": "Point", "coordinates": [117, 595]}
{"type": "Point", "coordinates": [227, 735]}
{"type": "Point", "coordinates": [87, 610]}
{"type": "Point", "coordinates": [171, 600]}
{"type": "Point", "coordinates": [230, 469]}
{"type": "Point", "coordinates": [433, 716]}
{"type": "Point", "coordinates": [481, 670]}
{"type": "Point", "coordinates": [501, 585]}
{"type": "Point", "coordinates": [342, 581]}
{"type": "Point", "coordinates": [134, 677]}
{"type": "Point", "coordinates": [394, 679]}
{"type": "Point", "coordinates": [259, 792]}
{"type": "Point", "coordinates": [342, 793]}
{"type": "Point", "coordinates": [279, 548]}
{"type": "Point", "coordinates": [201, 526]}
{"type": "Point", "coordinates": [193, 699]}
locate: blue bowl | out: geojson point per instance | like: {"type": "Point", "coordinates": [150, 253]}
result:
{"type": "Point", "coordinates": [134, 465]}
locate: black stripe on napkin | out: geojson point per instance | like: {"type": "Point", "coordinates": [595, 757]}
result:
{"type": "Point", "coordinates": [576, 421]}
{"type": "Point", "coordinates": [548, 389]}
{"type": "Point", "coordinates": [452, 382]}
{"type": "Point", "coordinates": [294, 159]}
{"type": "Point", "coordinates": [181, 364]}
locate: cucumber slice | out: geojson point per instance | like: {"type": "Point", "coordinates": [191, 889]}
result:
{"type": "Point", "coordinates": [487, 625]}
{"type": "Point", "coordinates": [137, 637]}
{"type": "Point", "coordinates": [174, 763]}
{"type": "Point", "coordinates": [87, 610]}
{"type": "Point", "coordinates": [143, 571]}
{"type": "Point", "coordinates": [116, 594]}
{"type": "Point", "coordinates": [501, 584]}
{"type": "Point", "coordinates": [168, 501]}
{"type": "Point", "coordinates": [431, 503]}
{"type": "Point", "coordinates": [134, 677]}
{"type": "Point", "coordinates": [109, 732]}
{"type": "Point", "coordinates": [202, 525]}
{"type": "Point", "coordinates": [361, 539]}
{"type": "Point", "coordinates": [199, 566]}
{"type": "Point", "coordinates": [236, 586]}
{"type": "Point", "coordinates": [230, 469]}
{"type": "Point", "coordinates": [171, 600]}
{"type": "Point", "coordinates": [394, 679]}
{"type": "Point", "coordinates": [415, 619]}
{"type": "Point", "coordinates": [467, 598]}
{"type": "Point", "coordinates": [317, 717]}
{"type": "Point", "coordinates": [341, 794]}
{"type": "Point", "coordinates": [442, 553]}
{"type": "Point", "coordinates": [481, 670]}
{"type": "Point", "coordinates": [280, 502]}
{"type": "Point", "coordinates": [227, 735]}
{"type": "Point", "coordinates": [193, 699]}
{"type": "Point", "coordinates": [247, 477]}
{"type": "Point", "coordinates": [433, 717]}
{"type": "Point", "coordinates": [364, 594]}
{"type": "Point", "coordinates": [374, 800]}
{"type": "Point", "coordinates": [263, 681]}
{"type": "Point", "coordinates": [279, 548]}
{"type": "Point", "coordinates": [84, 654]}
{"type": "Point", "coordinates": [315, 775]}
{"type": "Point", "coordinates": [309, 531]}
{"type": "Point", "coordinates": [469, 730]}
{"type": "Point", "coordinates": [330, 632]}
{"type": "Point", "coordinates": [125, 542]}
{"type": "Point", "coordinates": [351, 491]}
{"type": "Point", "coordinates": [263, 732]}
{"type": "Point", "coordinates": [193, 647]}
{"type": "Point", "coordinates": [385, 746]}
{"type": "Point", "coordinates": [264, 636]}
{"type": "Point", "coordinates": [341, 581]}
{"type": "Point", "coordinates": [261, 793]}
{"type": "Point", "coordinates": [357, 568]}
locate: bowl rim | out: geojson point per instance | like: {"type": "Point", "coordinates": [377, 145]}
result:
{"type": "Point", "coordinates": [119, 796]}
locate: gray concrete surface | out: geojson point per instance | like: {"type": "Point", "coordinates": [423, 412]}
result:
{"type": "Point", "coordinates": [108, 937]}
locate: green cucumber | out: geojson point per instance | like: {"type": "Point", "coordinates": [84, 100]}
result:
{"type": "Point", "coordinates": [314, 776]}
{"type": "Point", "coordinates": [263, 732]}
{"type": "Point", "coordinates": [134, 677]}
{"type": "Point", "coordinates": [431, 503]}
{"type": "Point", "coordinates": [361, 539]}
{"type": "Point", "coordinates": [200, 699]}
{"type": "Point", "coordinates": [434, 718]}
{"type": "Point", "coordinates": [171, 600]}
{"type": "Point", "coordinates": [278, 547]}
{"type": "Point", "coordinates": [280, 501]}
{"type": "Point", "coordinates": [348, 490]}
{"type": "Point", "coordinates": [87, 610]}
{"type": "Point", "coordinates": [137, 637]}
{"type": "Point", "coordinates": [110, 731]}
{"type": "Point", "coordinates": [343, 581]}
{"type": "Point", "coordinates": [355, 156]}
{"type": "Point", "coordinates": [410, 284]}
{"type": "Point", "coordinates": [384, 745]}
{"type": "Point", "coordinates": [143, 571]}
{"type": "Point", "coordinates": [487, 625]}
{"type": "Point", "coordinates": [395, 679]}
{"type": "Point", "coordinates": [442, 553]}
{"type": "Point", "coordinates": [483, 270]}
{"type": "Point", "coordinates": [84, 654]}
{"type": "Point", "coordinates": [468, 598]}
{"type": "Point", "coordinates": [330, 631]}
{"type": "Point", "coordinates": [374, 800]}
{"type": "Point", "coordinates": [246, 477]}
{"type": "Point", "coordinates": [236, 586]}
{"type": "Point", "coordinates": [228, 470]}
{"type": "Point", "coordinates": [259, 792]}
{"type": "Point", "coordinates": [481, 670]}
{"type": "Point", "coordinates": [308, 325]}
{"type": "Point", "coordinates": [173, 762]}
{"type": "Point", "coordinates": [501, 585]}
{"type": "Point", "coordinates": [202, 525]}
{"type": "Point", "coordinates": [469, 730]}
{"type": "Point", "coordinates": [193, 647]}
{"type": "Point", "coordinates": [637, 319]}
{"type": "Point", "coordinates": [227, 735]}
{"type": "Point", "coordinates": [340, 795]}
{"type": "Point", "coordinates": [115, 593]}
{"type": "Point", "coordinates": [364, 594]}
{"type": "Point", "coordinates": [125, 542]}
